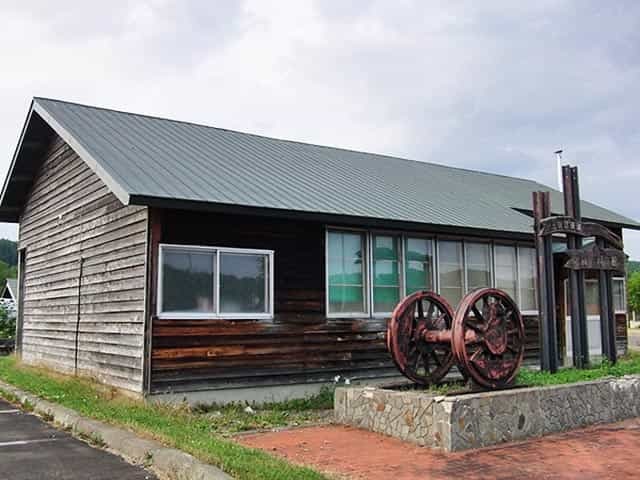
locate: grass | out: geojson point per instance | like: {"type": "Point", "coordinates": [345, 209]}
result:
{"type": "Point", "coordinates": [203, 430]}
{"type": "Point", "coordinates": [627, 365]}
{"type": "Point", "coordinates": [199, 432]}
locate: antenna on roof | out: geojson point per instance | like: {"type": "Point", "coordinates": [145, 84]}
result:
{"type": "Point", "coordinates": [559, 162]}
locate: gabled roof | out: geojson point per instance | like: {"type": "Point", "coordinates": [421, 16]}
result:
{"type": "Point", "coordinates": [154, 161]}
{"type": "Point", "coordinates": [10, 287]}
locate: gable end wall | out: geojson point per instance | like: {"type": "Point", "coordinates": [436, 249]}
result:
{"type": "Point", "coordinates": [71, 218]}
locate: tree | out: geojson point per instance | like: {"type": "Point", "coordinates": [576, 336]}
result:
{"type": "Point", "coordinates": [8, 252]}
{"type": "Point", "coordinates": [7, 271]}
{"type": "Point", "coordinates": [7, 324]}
{"type": "Point", "coordinates": [633, 291]}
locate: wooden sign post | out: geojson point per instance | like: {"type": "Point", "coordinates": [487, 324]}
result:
{"type": "Point", "coordinates": [546, 287]}
{"type": "Point", "coordinates": [605, 257]}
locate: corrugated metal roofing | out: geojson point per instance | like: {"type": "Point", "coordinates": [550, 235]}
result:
{"type": "Point", "coordinates": [142, 156]}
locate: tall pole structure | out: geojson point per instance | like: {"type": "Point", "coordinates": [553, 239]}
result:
{"type": "Point", "coordinates": [559, 168]}
{"type": "Point", "coordinates": [579, 336]}
{"type": "Point", "coordinates": [545, 284]}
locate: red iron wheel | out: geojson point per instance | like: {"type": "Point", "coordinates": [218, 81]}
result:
{"type": "Point", "coordinates": [488, 337]}
{"type": "Point", "coordinates": [424, 362]}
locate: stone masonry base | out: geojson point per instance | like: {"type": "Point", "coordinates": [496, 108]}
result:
{"type": "Point", "coordinates": [461, 422]}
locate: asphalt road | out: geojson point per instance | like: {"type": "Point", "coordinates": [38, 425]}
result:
{"type": "Point", "coordinates": [30, 449]}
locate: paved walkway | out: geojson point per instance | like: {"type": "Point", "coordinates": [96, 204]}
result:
{"type": "Point", "coordinates": [604, 452]}
{"type": "Point", "coordinates": [30, 449]}
{"type": "Point", "coordinates": [634, 338]}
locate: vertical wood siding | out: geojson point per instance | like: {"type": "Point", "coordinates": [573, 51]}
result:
{"type": "Point", "coordinates": [71, 215]}
{"type": "Point", "coordinates": [299, 345]}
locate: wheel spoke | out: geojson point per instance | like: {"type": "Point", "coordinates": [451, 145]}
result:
{"type": "Point", "coordinates": [475, 327]}
{"type": "Point", "coordinates": [420, 310]}
{"type": "Point", "coordinates": [513, 350]}
{"type": "Point", "coordinates": [434, 355]}
{"type": "Point", "coordinates": [477, 314]}
{"type": "Point", "coordinates": [430, 311]}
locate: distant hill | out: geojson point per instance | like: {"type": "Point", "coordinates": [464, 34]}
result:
{"type": "Point", "coordinates": [9, 252]}
{"type": "Point", "coordinates": [633, 266]}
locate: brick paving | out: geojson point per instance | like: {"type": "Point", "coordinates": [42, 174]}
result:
{"type": "Point", "coordinates": [602, 452]}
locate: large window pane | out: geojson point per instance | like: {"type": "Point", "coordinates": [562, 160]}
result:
{"type": "Point", "coordinates": [243, 286]}
{"type": "Point", "coordinates": [187, 281]}
{"type": "Point", "coordinates": [506, 270]}
{"type": "Point", "coordinates": [450, 270]}
{"type": "Point", "coordinates": [478, 265]}
{"type": "Point", "coordinates": [619, 302]}
{"type": "Point", "coordinates": [592, 297]}
{"type": "Point", "coordinates": [418, 265]}
{"type": "Point", "coordinates": [526, 267]}
{"type": "Point", "coordinates": [346, 254]}
{"type": "Point", "coordinates": [386, 273]}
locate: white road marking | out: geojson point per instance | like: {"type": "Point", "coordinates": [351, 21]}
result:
{"type": "Point", "coordinates": [9, 411]}
{"type": "Point", "coordinates": [26, 442]}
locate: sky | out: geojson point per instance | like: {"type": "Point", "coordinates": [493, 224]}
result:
{"type": "Point", "coordinates": [494, 85]}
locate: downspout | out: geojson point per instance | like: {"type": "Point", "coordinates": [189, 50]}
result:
{"type": "Point", "coordinates": [78, 314]}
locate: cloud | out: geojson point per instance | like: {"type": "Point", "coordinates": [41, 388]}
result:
{"type": "Point", "coordinates": [496, 86]}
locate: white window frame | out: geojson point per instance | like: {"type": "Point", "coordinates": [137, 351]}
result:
{"type": "Point", "coordinates": [495, 267]}
{"type": "Point", "coordinates": [434, 257]}
{"type": "Point", "coordinates": [269, 284]}
{"type": "Point", "coordinates": [530, 312]}
{"type": "Point", "coordinates": [366, 295]}
{"type": "Point", "coordinates": [400, 237]}
{"type": "Point", "coordinates": [435, 245]}
{"type": "Point", "coordinates": [463, 263]}
{"type": "Point", "coordinates": [624, 296]}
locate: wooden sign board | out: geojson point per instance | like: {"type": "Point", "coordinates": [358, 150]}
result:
{"type": "Point", "coordinates": [596, 258]}
{"type": "Point", "coordinates": [563, 224]}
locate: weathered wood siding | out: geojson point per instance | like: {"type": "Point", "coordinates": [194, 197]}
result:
{"type": "Point", "coordinates": [621, 334]}
{"type": "Point", "coordinates": [71, 215]}
{"type": "Point", "coordinates": [299, 346]}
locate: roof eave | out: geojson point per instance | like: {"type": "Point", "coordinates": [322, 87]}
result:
{"type": "Point", "coordinates": [9, 214]}
{"type": "Point", "coordinates": [117, 189]}
{"type": "Point", "coordinates": [325, 217]}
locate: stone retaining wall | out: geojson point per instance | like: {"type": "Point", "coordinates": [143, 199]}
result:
{"type": "Point", "coordinates": [461, 422]}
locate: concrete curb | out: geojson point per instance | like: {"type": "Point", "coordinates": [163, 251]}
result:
{"type": "Point", "coordinates": [166, 463]}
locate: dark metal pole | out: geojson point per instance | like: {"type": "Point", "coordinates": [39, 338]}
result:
{"type": "Point", "coordinates": [607, 318]}
{"type": "Point", "coordinates": [545, 284]}
{"type": "Point", "coordinates": [584, 331]}
{"type": "Point", "coordinates": [576, 278]}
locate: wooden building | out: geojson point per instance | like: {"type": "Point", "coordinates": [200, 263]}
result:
{"type": "Point", "coordinates": [174, 259]}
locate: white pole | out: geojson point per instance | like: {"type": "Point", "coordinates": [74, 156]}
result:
{"type": "Point", "coordinates": [559, 166]}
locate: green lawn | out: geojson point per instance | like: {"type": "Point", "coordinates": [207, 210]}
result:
{"type": "Point", "coordinates": [627, 365]}
{"type": "Point", "coordinates": [203, 431]}
{"type": "Point", "coordinates": [199, 432]}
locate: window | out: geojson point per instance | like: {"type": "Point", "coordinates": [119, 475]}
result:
{"type": "Point", "coordinates": [506, 270]}
{"type": "Point", "coordinates": [527, 279]}
{"type": "Point", "coordinates": [386, 273]}
{"type": "Point", "coordinates": [592, 297]}
{"type": "Point", "coordinates": [187, 281]}
{"type": "Point", "coordinates": [203, 282]}
{"type": "Point", "coordinates": [242, 283]}
{"type": "Point", "coordinates": [368, 273]}
{"type": "Point", "coordinates": [346, 256]}
{"type": "Point", "coordinates": [478, 265]}
{"type": "Point", "coordinates": [418, 260]}
{"type": "Point", "coordinates": [450, 271]}
{"type": "Point", "coordinates": [619, 300]}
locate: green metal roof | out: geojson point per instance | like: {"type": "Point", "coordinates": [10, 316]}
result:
{"type": "Point", "coordinates": [145, 159]}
